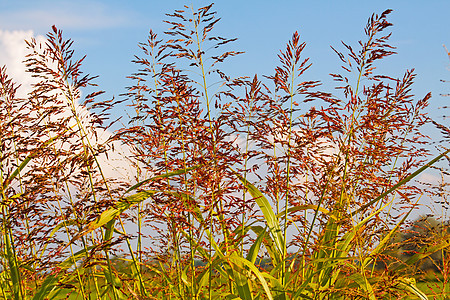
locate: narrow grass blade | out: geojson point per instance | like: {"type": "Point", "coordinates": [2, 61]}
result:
{"type": "Point", "coordinates": [308, 285]}
{"type": "Point", "coordinates": [237, 260]}
{"type": "Point", "coordinates": [167, 175]}
{"type": "Point", "coordinates": [33, 154]}
{"type": "Point", "coordinates": [423, 253]}
{"type": "Point", "coordinates": [307, 207]}
{"type": "Point", "coordinates": [409, 284]}
{"type": "Point", "coordinates": [13, 266]}
{"type": "Point", "coordinates": [271, 219]}
{"type": "Point", "coordinates": [202, 280]}
{"type": "Point", "coordinates": [62, 224]}
{"type": "Point", "coordinates": [109, 216]}
{"type": "Point", "coordinates": [242, 286]}
{"type": "Point", "coordinates": [254, 249]}
{"type": "Point", "coordinates": [402, 182]}
{"type": "Point", "coordinates": [269, 244]}
{"type": "Point", "coordinates": [384, 242]}
{"type": "Point", "coordinates": [344, 245]}
{"type": "Point", "coordinates": [363, 284]}
{"type": "Point", "coordinates": [50, 283]}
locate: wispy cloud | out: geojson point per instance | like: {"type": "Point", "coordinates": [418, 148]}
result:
{"type": "Point", "coordinates": [68, 15]}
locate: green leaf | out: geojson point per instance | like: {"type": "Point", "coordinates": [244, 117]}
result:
{"type": "Point", "coordinates": [341, 249]}
{"type": "Point", "coordinates": [62, 224]}
{"type": "Point", "coordinates": [409, 284]}
{"type": "Point", "coordinates": [109, 216]}
{"type": "Point", "coordinates": [270, 217]}
{"type": "Point", "coordinates": [424, 252]}
{"type": "Point", "coordinates": [380, 247]}
{"type": "Point", "coordinates": [112, 278]}
{"type": "Point", "coordinates": [308, 286]}
{"type": "Point", "coordinates": [29, 158]}
{"type": "Point", "coordinates": [269, 244]}
{"type": "Point", "coordinates": [344, 244]}
{"type": "Point", "coordinates": [242, 286]}
{"type": "Point", "coordinates": [402, 182]}
{"type": "Point", "coordinates": [254, 249]}
{"type": "Point", "coordinates": [50, 283]}
{"type": "Point", "coordinates": [306, 207]}
{"type": "Point", "coordinates": [237, 261]}
{"type": "Point", "coordinates": [167, 175]}
{"type": "Point", "coordinates": [364, 284]}
{"type": "Point", "coordinates": [14, 271]}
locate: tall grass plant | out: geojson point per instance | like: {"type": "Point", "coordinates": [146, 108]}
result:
{"type": "Point", "coordinates": [243, 188]}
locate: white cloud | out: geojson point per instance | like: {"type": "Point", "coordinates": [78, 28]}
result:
{"type": "Point", "coordinates": [13, 50]}
{"type": "Point", "coordinates": [12, 53]}
{"type": "Point", "coordinates": [434, 178]}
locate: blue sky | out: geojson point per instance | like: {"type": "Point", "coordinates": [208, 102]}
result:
{"type": "Point", "coordinates": [108, 32]}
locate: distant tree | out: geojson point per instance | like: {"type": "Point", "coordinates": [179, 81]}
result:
{"type": "Point", "coordinates": [423, 232]}
{"type": "Point", "coordinates": [426, 231]}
